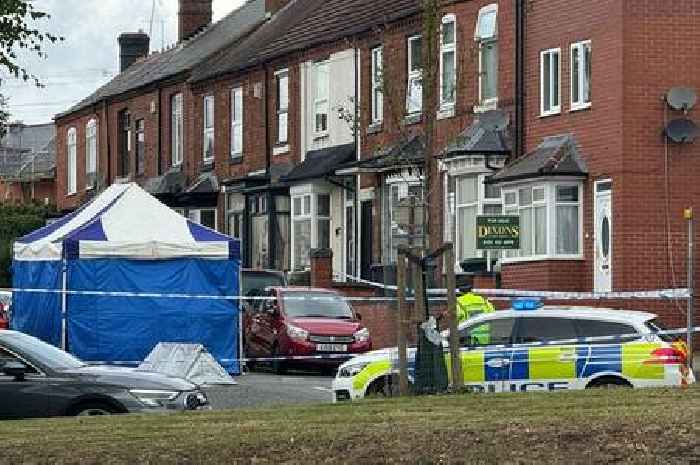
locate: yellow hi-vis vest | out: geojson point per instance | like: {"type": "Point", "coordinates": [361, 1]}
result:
{"type": "Point", "coordinates": [470, 304]}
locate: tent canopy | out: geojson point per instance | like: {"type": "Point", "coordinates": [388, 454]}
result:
{"type": "Point", "coordinates": [126, 242]}
{"type": "Point", "coordinates": [124, 221]}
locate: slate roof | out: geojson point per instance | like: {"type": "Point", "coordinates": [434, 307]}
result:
{"type": "Point", "coordinates": [304, 24]}
{"type": "Point", "coordinates": [402, 154]}
{"type": "Point", "coordinates": [321, 163]}
{"type": "Point", "coordinates": [556, 156]}
{"type": "Point", "coordinates": [489, 134]}
{"type": "Point", "coordinates": [28, 152]}
{"type": "Point", "coordinates": [184, 56]}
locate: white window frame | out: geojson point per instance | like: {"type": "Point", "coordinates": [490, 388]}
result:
{"type": "Point", "coordinates": [90, 153]}
{"type": "Point", "coordinates": [282, 105]}
{"type": "Point", "coordinates": [413, 76]}
{"type": "Point", "coordinates": [237, 123]}
{"type": "Point", "coordinates": [403, 184]}
{"type": "Point", "coordinates": [313, 216]}
{"type": "Point", "coordinates": [554, 110]}
{"type": "Point", "coordinates": [445, 49]}
{"type": "Point", "coordinates": [580, 47]}
{"type": "Point", "coordinates": [321, 103]}
{"type": "Point", "coordinates": [176, 128]}
{"type": "Point", "coordinates": [72, 161]}
{"type": "Point", "coordinates": [550, 202]}
{"type": "Point", "coordinates": [486, 103]}
{"type": "Point", "coordinates": [377, 55]}
{"type": "Point", "coordinates": [195, 215]}
{"type": "Point", "coordinates": [208, 125]}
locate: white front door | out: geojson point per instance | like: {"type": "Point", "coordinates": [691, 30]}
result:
{"type": "Point", "coordinates": [603, 237]}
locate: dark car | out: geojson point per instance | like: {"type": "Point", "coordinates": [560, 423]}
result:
{"type": "Point", "coordinates": [39, 380]}
{"type": "Point", "coordinates": [301, 321]}
{"type": "Point", "coordinates": [5, 302]}
{"type": "Point", "coordinates": [253, 284]}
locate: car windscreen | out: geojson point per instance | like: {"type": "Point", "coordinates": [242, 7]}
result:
{"type": "Point", "coordinates": [259, 281]}
{"type": "Point", "coordinates": [315, 305]}
{"type": "Point", "coordinates": [655, 326]}
{"type": "Point", "coordinates": [41, 352]}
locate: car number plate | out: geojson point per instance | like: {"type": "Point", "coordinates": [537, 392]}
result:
{"type": "Point", "coordinates": [332, 347]}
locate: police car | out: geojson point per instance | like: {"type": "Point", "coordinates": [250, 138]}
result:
{"type": "Point", "coordinates": [532, 347]}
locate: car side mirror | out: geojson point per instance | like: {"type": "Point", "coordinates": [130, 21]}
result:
{"type": "Point", "coordinates": [17, 370]}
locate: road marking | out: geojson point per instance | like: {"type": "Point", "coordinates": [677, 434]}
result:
{"type": "Point", "coordinates": [324, 389]}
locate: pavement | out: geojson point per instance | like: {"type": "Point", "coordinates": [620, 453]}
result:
{"type": "Point", "coordinates": [266, 389]}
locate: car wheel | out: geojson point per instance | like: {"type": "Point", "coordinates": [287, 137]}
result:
{"type": "Point", "coordinates": [279, 367]}
{"type": "Point", "coordinates": [93, 410]}
{"type": "Point", "coordinates": [386, 386]}
{"type": "Point", "coordinates": [610, 382]}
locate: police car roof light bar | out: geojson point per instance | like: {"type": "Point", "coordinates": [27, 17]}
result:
{"type": "Point", "coordinates": [527, 303]}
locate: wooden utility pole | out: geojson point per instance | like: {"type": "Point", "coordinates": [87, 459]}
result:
{"type": "Point", "coordinates": [419, 302]}
{"type": "Point", "coordinates": [402, 323]}
{"type": "Point", "coordinates": [455, 355]}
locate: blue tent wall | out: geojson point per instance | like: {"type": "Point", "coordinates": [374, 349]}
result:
{"type": "Point", "coordinates": [34, 313]}
{"type": "Point", "coordinates": [125, 329]}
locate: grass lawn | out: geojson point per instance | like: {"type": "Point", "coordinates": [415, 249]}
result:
{"type": "Point", "coordinates": [620, 426]}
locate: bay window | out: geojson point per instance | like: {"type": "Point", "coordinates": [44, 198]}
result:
{"type": "Point", "coordinates": [208, 128]}
{"type": "Point", "coordinates": [414, 94]}
{"type": "Point", "coordinates": [311, 224]}
{"type": "Point", "coordinates": [448, 62]}
{"type": "Point", "coordinates": [487, 37]}
{"type": "Point", "coordinates": [580, 75]}
{"type": "Point", "coordinates": [403, 209]}
{"type": "Point", "coordinates": [204, 216]}
{"type": "Point", "coordinates": [550, 219]}
{"type": "Point", "coordinates": [235, 212]}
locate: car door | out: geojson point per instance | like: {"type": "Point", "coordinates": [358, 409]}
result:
{"type": "Point", "coordinates": [486, 355]}
{"type": "Point", "coordinates": [264, 324]}
{"type": "Point", "coordinates": [544, 366]}
{"type": "Point", "coordinates": [29, 398]}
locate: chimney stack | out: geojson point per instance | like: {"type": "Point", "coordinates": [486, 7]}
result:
{"type": "Point", "coordinates": [132, 46]}
{"type": "Point", "coordinates": [194, 16]}
{"type": "Point", "coordinates": [273, 6]}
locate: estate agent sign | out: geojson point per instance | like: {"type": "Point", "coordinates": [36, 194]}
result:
{"type": "Point", "coordinates": [497, 232]}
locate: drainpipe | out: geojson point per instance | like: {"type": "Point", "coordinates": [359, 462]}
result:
{"type": "Point", "coordinates": [358, 145]}
{"type": "Point", "coordinates": [108, 181]}
{"type": "Point", "coordinates": [268, 170]}
{"type": "Point", "coordinates": [159, 158]}
{"type": "Point", "coordinates": [520, 22]}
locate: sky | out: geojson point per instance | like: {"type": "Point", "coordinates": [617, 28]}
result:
{"type": "Point", "coordinates": [89, 56]}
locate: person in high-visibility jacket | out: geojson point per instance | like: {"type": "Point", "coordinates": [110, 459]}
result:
{"type": "Point", "coordinates": [470, 305]}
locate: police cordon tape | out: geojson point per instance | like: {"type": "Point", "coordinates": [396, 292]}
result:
{"type": "Point", "coordinates": [629, 338]}
{"type": "Point", "coordinates": [667, 294]}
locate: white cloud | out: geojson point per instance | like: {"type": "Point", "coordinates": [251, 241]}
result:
{"type": "Point", "coordinates": [89, 56]}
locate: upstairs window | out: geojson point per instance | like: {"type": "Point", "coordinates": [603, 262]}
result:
{"type": "Point", "coordinates": [487, 37]}
{"type": "Point", "coordinates": [124, 163]}
{"type": "Point", "coordinates": [448, 62]}
{"type": "Point", "coordinates": [282, 78]}
{"type": "Point", "coordinates": [90, 153]}
{"type": "Point", "coordinates": [321, 98]}
{"type": "Point", "coordinates": [71, 162]}
{"type": "Point", "coordinates": [208, 128]}
{"type": "Point", "coordinates": [236, 122]}
{"type": "Point", "coordinates": [140, 146]}
{"type": "Point", "coordinates": [414, 94]}
{"type": "Point", "coordinates": [176, 129]}
{"type": "Point", "coordinates": [377, 85]}
{"type": "Point", "coordinates": [550, 64]}
{"type": "Point", "coordinates": [581, 75]}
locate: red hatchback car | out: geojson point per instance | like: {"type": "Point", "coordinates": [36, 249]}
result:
{"type": "Point", "coordinates": [305, 321]}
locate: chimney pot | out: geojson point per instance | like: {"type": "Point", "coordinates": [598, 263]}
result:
{"type": "Point", "coordinates": [194, 16]}
{"type": "Point", "coordinates": [132, 46]}
{"type": "Point", "coordinates": [273, 6]}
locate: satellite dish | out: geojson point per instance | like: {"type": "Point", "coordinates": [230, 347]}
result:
{"type": "Point", "coordinates": [681, 98]}
{"type": "Point", "coordinates": [682, 131]}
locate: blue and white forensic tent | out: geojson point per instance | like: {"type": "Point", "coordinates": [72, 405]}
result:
{"type": "Point", "coordinates": [135, 273]}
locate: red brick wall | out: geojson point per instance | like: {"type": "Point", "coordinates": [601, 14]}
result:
{"type": "Point", "coordinates": [551, 275]}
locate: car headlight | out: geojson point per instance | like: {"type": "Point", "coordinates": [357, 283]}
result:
{"type": "Point", "coordinates": [348, 371]}
{"type": "Point", "coordinates": [154, 398]}
{"type": "Point", "coordinates": [297, 333]}
{"type": "Point", "coordinates": [362, 335]}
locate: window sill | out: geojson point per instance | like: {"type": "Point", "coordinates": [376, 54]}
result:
{"type": "Point", "coordinates": [550, 113]}
{"type": "Point", "coordinates": [71, 194]}
{"type": "Point", "coordinates": [235, 159]}
{"type": "Point", "coordinates": [446, 113]}
{"type": "Point", "coordinates": [488, 105]}
{"type": "Point", "coordinates": [177, 168]}
{"type": "Point", "coordinates": [321, 136]}
{"type": "Point", "coordinates": [415, 118]}
{"type": "Point", "coordinates": [582, 107]}
{"type": "Point", "coordinates": [208, 165]}
{"type": "Point", "coordinates": [375, 128]}
{"type": "Point", "coordinates": [542, 258]}
{"type": "Point", "coordinates": [280, 149]}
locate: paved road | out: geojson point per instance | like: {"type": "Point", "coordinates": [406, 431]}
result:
{"type": "Point", "coordinates": [264, 389]}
